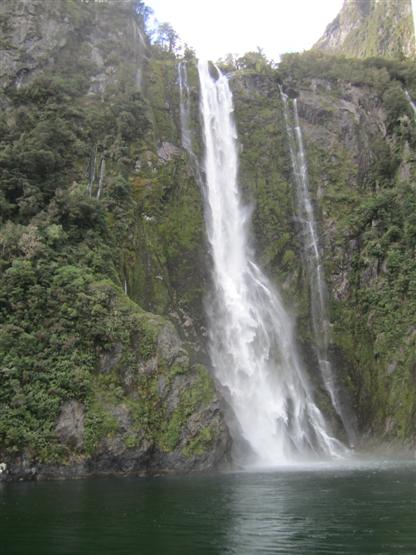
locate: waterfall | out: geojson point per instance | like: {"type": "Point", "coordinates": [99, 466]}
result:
{"type": "Point", "coordinates": [184, 107]}
{"type": "Point", "coordinates": [185, 117]}
{"type": "Point", "coordinates": [412, 104]}
{"type": "Point", "coordinates": [252, 343]}
{"type": "Point", "coordinates": [313, 262]}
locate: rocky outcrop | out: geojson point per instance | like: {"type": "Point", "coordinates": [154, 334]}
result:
{"type": "Point", "coordinates": [367, 28]}
{"type": "Point", "coordinates": [37, 36]}
{"type": "Point", "coordinates": [359, 132]}
{"type": "Point", "coordinates": [118, 391]}
{"type": "Point", "coordinates": [70, 425]}
{"type": "Point", "coordinates": [150, 411]}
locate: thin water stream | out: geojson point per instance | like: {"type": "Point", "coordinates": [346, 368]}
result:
{"type": "Point", "coordinates": [313, 262]}
{"type": "Point", "coordinates": [411, 103]}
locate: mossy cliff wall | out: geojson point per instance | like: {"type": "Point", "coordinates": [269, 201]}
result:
{"type": "Point", "coordinates": [365, 28]}
{"type": "Point", "coordinates": [360, 137]}
{"type": "Point", "coordinates": [359, 131]}
{"type": "Point", "coordinates": [104, 260]}
{"type": "Point", "coordinates": [101, 248]}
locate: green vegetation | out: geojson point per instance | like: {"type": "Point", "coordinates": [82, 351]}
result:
{"type": "Point", "coordinates": [265, 169]}
{"type": "Point", "coordinates": [101, 233]}
{"type": "Point", "coordinates": [363, 185]}
{"type": "Point", "coordinates": [375, 72]}
{"type": "Point", "coordinates": [89, 212]}
{"type": "Point", "coordinates": [200, 393]}
{"type": "Point", "coordinates": [366, 207]}
{"type": "Point", "coordinates": [366, 28]}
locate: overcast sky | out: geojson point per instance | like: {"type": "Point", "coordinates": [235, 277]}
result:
{"type": "Point", "coordinates": [215, 28]}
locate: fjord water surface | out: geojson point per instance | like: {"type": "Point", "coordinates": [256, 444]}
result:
{"type": "Point", "coordinates": [368, 509]}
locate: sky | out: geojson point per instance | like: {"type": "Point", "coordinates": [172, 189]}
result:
{"type": "Point", "coordinates": [215, 28]}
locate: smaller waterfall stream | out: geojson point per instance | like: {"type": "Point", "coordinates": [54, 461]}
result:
{"type": "Point", "coordinates": [411, 102]}
{"type": "Point", "coordinates": [184, 106]}
{"type": "Point", "coordinates": [414, 16]}
{"type": "Point", "coordinates": [312, 256]}
{"type": "Point", "coordinates": [185, 119]}
{"type": "Point", "coordinates": [252, 343]}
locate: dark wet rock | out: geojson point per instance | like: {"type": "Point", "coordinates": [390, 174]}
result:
{"type": "Point", "coordinates": [164, 416]}
{"type": "Point", "coordinates": [38, 33]}
{"type": "Point", "coordinates": [167, 151]}
{"type": "Point", "coordinates": [70, 425]}
{"type": "Point", "coordinates": [109, 359]}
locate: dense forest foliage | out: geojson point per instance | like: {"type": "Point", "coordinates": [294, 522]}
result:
{"type": "Point", "coordinates": [81, 181]}
{"type": "Point", "coordinates": [102, 233]}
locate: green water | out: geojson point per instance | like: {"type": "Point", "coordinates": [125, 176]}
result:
{"type": "Point", "coordinates": [334, 510]}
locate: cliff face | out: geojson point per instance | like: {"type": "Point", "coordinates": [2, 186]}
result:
{"type": "Point", "coordinates": [103, 256]}
{"type": "Point", "coordinates": [362, 166]}
{"type": "Point", "coordinates": [92, 380]}
{"type": "Point", "coordinates": [39, 36]}
{"type": "Point", "coordinates": [359, 132]}
{"type": "Point", "coordinates": [371, 28]}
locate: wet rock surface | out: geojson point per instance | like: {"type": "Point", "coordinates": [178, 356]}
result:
{"type": "Point", "coordinates": [187, 433]}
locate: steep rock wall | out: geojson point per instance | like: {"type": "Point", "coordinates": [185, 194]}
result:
{"type": "Point", "coordinates": [366, 28]}
{"type": "Point", "coordinates": [95, 229]}
{"type": "Point", "coordinates": [359, 132]}
{"type": "Point", "coordinates": [37, 36]}
{"type": "Point", "coordinates": [103, 246]}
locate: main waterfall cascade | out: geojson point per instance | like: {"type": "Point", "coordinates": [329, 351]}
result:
{"type": "Point", "coordinates": [252, 344]}
{"type": "Point", "coordinates": [312, 259]}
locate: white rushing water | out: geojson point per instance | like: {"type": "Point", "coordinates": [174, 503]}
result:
{"type": "Point", "coordinates": [252, 343]}
{"type": "Point", "coordinates": [312, 259]}
{"type": "Point", "coordinates": [412, 104]}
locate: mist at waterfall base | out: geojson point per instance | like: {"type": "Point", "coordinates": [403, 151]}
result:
{"type": "Point", "coordinates": [347, 509]}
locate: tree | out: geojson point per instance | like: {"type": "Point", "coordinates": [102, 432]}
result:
{"type": "Point", "coordinates": [256, 61]}
{"type": "Point", "coordinates": [167, 36]}
{"type": "Point", "coordinates": [144, 12]}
